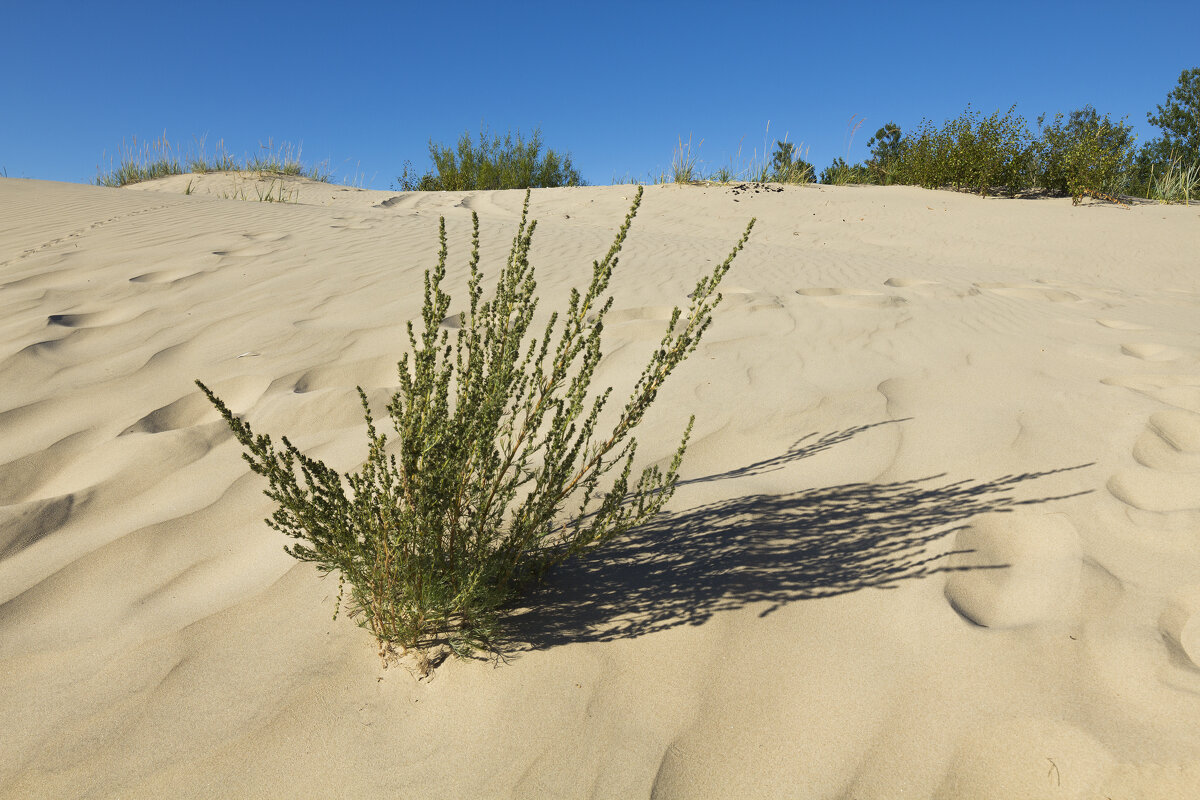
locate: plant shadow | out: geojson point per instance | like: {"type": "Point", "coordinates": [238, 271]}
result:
{"type": "Point", "coordinates": [682, 568]}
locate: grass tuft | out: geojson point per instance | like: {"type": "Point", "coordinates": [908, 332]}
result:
{"type": "Point", "coordinates": [685, 162]}
{"type": "Point", "coordinates": [159, 158]}
{"type": "Point", "coordinates": [1178, 182]}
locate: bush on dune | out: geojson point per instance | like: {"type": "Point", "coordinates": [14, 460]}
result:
{"type": "Point", "coordinates": [1085, 154]}
{"type": "Point", "coordinates": [495, 434]}
{"type": "Point", "coordinates": [492, 163]}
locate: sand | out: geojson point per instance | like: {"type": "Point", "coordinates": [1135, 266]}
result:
{"type": "Point", "coordinates": [938, 532]}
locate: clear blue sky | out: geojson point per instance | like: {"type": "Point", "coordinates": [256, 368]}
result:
{"type": "Point", "coordinates": [367, 84]}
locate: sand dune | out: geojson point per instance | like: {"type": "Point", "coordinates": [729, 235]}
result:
{"type": "Point", "coordinates": [938, 532]}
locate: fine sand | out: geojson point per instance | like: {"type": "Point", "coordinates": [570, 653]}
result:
{"type": "Point", "coordinates": [937, 533]}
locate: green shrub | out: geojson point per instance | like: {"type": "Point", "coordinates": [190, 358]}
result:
{"type": "Point", "coordinates": [885, 154]}
{"type": "Point", "coordinates": [1085, 153]}
{"type": "Point", "coordinates": [970, 152]}
{"type": "Point", "coordinates": [788, 165]}
{"type": "Point", "coordinates": [495, 434]}
{"type": "Point", "coordinates": [839, 173]}
{"type": "Point", "coordinates": [495, 163]}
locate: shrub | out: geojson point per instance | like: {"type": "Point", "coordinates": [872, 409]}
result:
{"type": "Point", "coordinates": [441, 531]}
{"type": "Point", "coordinates": [839, 173]}
{"type": "Point", "coordinates": [788, 166]}
{"type": "Point", "coordinates": [495, 163]}
{"type": "Point", "coordinates": [1084, 154]}
{"type": "Point", "coordinates": [885, 154]}
{"type": "Point", "coordinates": [969, 152]}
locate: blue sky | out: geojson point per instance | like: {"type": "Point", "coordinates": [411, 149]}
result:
{"type": "Point", "coordinates": [367, 84]}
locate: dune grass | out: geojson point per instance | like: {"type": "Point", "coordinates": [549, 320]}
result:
{"type": "Point", "coordinates": [787, 164]}
{"type": "Point", "coordinates": [685, 162]}
{"type": "Point", "coordinates": [1177, 182]}
{"type": "Point", "coordinates": [147, 160]}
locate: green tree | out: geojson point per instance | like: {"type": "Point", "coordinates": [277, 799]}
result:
{"type": "Point", "coordinates": [1179, 117]}
{"type": "Point", "coordinates": [886, 150]}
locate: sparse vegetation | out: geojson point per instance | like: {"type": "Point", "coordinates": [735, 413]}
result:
{"type": "Point", "coordinates": [493, 163]}
{"type": "Point", "coordinates": [495, 435]}
{"type": "Point", "coordinates": [839, 173]}
{"type": "Point", "coordinates": [786, 165]}
{"type": "Point", "coordinates": [1178, 182]}
{"type": "Point", "coordinates": [1080, 154]}
{"type": "Point", "coordinates": [159, 158]}
{"type": "Point", "coordinates": [789, 166]}
{"type": "Point", "coordinates": [150, 160]}
{"type": "Point", "coordinates": [685, 162]}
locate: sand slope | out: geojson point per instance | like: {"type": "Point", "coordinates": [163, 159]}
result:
{"type": "Point", "coordinates": [899, 382]}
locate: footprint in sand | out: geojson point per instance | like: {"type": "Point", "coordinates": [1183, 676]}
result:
{"type": "Point", "coordinates": [1180, 622]}
{"type": "Point", "coordinates": [1171, 442]}
{"type": "Point", "coordinates": [166, 276]}
{"type": "Point", "coordinates": [928, 288]}
{"type": "Point", "coordinates": [1181, 391]}
{"type": "Point", "coordinates": [260, 244]}
{"type": "Point", "coordinates": [909, 283]}
{"type": "Point", "coordinates": [838, 297]}
{"type": "Point", "coordinates": [1121, 325]}
{"type": "Point", "coordinates": [250, 251]}
{"type": "Point", "coordinates": [1168, 476]}
{"type": "Point", "coordinates": [1010, 570]}
{"type": "Point", "coordinates": [353, 224]}
{"type": "Point", "coordinates": [1153, 351]}
{"type": "Point", "coordinates": [1155, 490]}
{"type": "Point", "coordinates": [1031, 292]}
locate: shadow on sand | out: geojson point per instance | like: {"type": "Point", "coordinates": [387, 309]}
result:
{"type": "Point", "coordinates": [684, 567]}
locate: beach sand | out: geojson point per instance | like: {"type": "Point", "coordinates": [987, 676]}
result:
{"type": "Point", "coordinates": [937, 533]}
